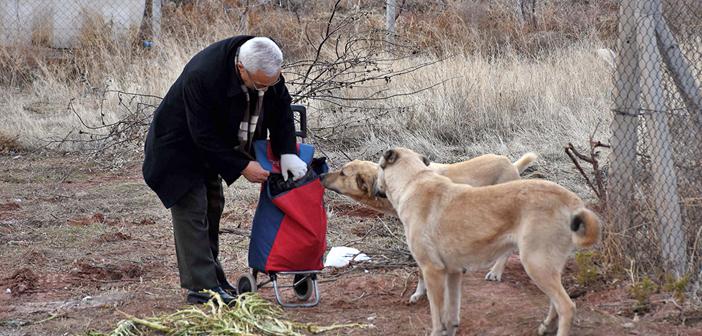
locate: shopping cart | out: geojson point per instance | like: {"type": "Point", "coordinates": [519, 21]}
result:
{"type": "Point", "coordinates": [288, 235]}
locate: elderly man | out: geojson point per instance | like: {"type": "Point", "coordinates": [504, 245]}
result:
{"type": "Point", "coordinates": [229, 94]}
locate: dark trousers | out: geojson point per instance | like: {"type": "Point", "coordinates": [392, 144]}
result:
{"type": "Point", "coordinates": [196, 228]}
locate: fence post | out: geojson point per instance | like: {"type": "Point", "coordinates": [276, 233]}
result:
{"type": "Point", "coordinates": [680, 70]}
{"type": "Point", "coordinates": [625, 120]}
{"type": "Point", "coordinates": [667, 207]}
{"type": "Point", "coordinates": [390, 9]}
{"type": "Point", "coordinates": [156, 21]}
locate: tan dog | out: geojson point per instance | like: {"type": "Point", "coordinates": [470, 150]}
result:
{"type": "Point", "coordinates": [452, 226]}
{"type": "Point", "coordinates": [356, 179]}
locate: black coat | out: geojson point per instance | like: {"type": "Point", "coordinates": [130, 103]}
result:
{"type": "Point", "coordinates": [194, 130]}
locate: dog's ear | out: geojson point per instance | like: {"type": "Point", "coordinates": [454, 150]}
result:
{"type": "Point", "coordinates": [365, 185]}
{"type": "Point", "coordinates": [390, 156]}
{"type": "Point", "coordinates": [426, 160]}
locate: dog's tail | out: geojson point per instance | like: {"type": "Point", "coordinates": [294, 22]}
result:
{"type": "Point", "coordinates": [525, 161]}
{"type": "Point", "coordinates": [586, 228]}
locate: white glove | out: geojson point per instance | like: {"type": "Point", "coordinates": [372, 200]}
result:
{"type": "Point", "coordinates": [292, 163]}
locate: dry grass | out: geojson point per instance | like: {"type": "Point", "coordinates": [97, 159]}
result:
{"type": "Point", "coordinates": [508, 106]}
{"type": "Point", "coordinates": [502, 93]}
{"type": "Point", "coordinates": [507, 90]}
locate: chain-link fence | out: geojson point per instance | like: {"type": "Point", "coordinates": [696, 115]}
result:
{"type": "Point", "coordinates": [62, 23]}
{"type": "Point", "coordinates": [655, 183]}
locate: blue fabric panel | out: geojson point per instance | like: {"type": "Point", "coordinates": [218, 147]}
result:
{"type": "Point", "coordinates": [261, 151]}
{"type": "Point", "coordinates": [265, 228]}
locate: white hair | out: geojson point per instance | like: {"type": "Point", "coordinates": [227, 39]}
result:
{"type": "Point", "coordinates": [261, 53]}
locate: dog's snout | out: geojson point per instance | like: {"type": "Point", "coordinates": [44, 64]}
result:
{"type": "Point", "coordinates": [379, 193]}
{"type": "Point", "coordinates": [322, 176]}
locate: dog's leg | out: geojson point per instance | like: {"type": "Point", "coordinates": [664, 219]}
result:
{"type": "Point", "coordinates": [420, 291]}
{"type": "Point", "coordinates": [453, 302]}
{"type": "Point", "coordinates": [547, 325]}
{"type": "Point", "coordinates": [548, 279]}
{"type": "Point", "coordinates": [495, 273]}
{"type": "Point", "coordinates": [435, 281]}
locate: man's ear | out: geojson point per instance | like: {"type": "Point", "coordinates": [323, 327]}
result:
{"type": "Point", "coordinates": [426, 160]}
{"type": "Point", "coordinates": [389, 157]}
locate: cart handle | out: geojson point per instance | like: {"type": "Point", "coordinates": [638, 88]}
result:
{"type": "Point", "coordinates": [302, 111]}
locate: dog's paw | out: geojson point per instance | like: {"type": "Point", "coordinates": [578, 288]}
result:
{"type": "Point", "coordinates": [544, 329]}
{"type": "Point", "coordinates": [451, 330]}
{"type": "Point", "coordinates": [490, 276]}
{"type": "Point", "coordinates": [415, 298]}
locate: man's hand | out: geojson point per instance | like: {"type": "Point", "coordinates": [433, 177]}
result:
{"type": "Point", "coordinates": [292, 163]}
{"type": "Point", "coordinates": [255, 173]}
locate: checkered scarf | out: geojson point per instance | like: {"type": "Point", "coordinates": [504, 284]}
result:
{"type": "Point", "coordinates": [249, 122]}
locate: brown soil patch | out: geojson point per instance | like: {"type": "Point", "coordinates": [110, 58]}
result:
{"type": "Point", "coordinates": [352, 210]}
{"type": "Point", "coordinates": [84, 276]}
{"type": "Point", "coordinates": [97, 218]}
{"type": "Point", "coordinates": [11, 206]}
{"type": "Point", "coordinates": [113, 237]}
{"type": "Point", "coordinates": [146, 221]}
{"type": "Point", "coordinates": [21, 281]}
{"type": "Point", "coordinates": [96, 272]}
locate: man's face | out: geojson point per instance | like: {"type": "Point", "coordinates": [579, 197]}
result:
{"type": "Point", "coordinates": [257, 80]}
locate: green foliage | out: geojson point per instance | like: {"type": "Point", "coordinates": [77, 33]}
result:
{"type": "Point", "coordinates": [641, 292]}
{"type": "Point", "coordinates": [676, 286]}
{"type": "Point", "coordinates": [587, 270]}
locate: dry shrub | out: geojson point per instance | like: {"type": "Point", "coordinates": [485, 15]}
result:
{"type": "Point", "coordinates": [201, 25]}
{"type": "Point", "coordinates": [9, 145]}
{"type": "Point", "coordinates": [16, 66]}
{"type": "Point", "coordinates": [486, 27]}
{"type": "Point", "coordinates": [493, 27]}
{"type": "Point", "coordinates": [101, 48]}
{"type": "Point", "coordinates": [42, 30]}
{"type": "Point", "coordinates": [284, 28]}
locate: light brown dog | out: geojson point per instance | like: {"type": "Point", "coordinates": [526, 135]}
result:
{"type": "Point", "coordinates": [452, 226]}
{"type": "Point", "coordinates": [356, 179]}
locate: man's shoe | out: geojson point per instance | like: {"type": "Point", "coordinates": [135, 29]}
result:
{"type": "Point", "coordinates": [197, 296]}
{"type": "Point", "coordinates": [227, 287]}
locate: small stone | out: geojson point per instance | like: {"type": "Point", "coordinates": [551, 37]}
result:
{"type": "Point", "coordinates": [628, 325]}
{"type": "Point", "coordinates": [8, 291]}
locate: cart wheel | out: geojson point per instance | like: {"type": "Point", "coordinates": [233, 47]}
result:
{"type": "Point", "coordinates": [303, 289]}
{"type": "Point", "coordinates": [246, 283]}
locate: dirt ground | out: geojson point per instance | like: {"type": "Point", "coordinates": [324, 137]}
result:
{"type": "Point", "coordinates": [79, 243]}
